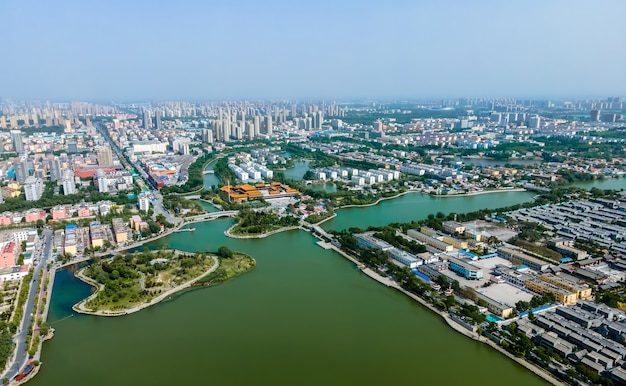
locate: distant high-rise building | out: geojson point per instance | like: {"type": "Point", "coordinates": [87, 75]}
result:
{"type": "Point", "coordinates": [69, 185]}
{"type": "Point", "coordinates": [217, 128]}
{"type": "Point", "coordinates": [207, 135]}
{"type": "Point", "coordinates": [320, 119]}
{"type": "Point", "coordinates": [103, 183]}
{"type": "Point", "coordinates": [72, 147]}
{"type": "Point", "coordinates": [595, 116]}
{"type": "Point", "coordinates": [242, 125]}
{"type": "Point", "coordinates": [21, 171]}
{"type": "Point", "coordinates": [269, 125]}
{"type": "Point", "coordinates": [55, 170]}
{"type": "Point", "coordinates": [250, 130]}
{"type": "Point", "coordinates": [534, 122]}
{"type": "Point", "coordinates": [147, 121]}
{"type": "Point", "coordinates": [144, 202]}
{"type": "Point", "coordinates": [608, 117]}
{"type": "Point", "coordinates": [336, 124]}
{"type": "Point", "coordinates": [18, 142]}
{"type": "Point", "coordinates": [105, 156]}
{"type": "Point", "coordinates": [227, 128]}
{"type": "Point", "coordinates": [257, 125]}
{"type": "Point", "coordinates": [378, 126]}
{"type": "Point", "coordinates": [157, 120]}
{"type": "Point", "coordinates": [33, 188]}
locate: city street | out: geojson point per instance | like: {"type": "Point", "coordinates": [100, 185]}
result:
{"type": "Point", "coordinates": [21, 355]}
{"type": "Point", "coordinates": [156, 205]}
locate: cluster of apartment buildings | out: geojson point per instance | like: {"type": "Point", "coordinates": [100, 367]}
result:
{"type": "Point", "coordinates": [250, 171]}
{"type": "Point", "coordinates": [438, 172]}
{"type": "Point", "coordinates": [113, 182]}
{"type": "Point", "coordinates": [358, 177]}
{"type": "Point", "coordinates": [11, 248]}
{"type": "Point", "coordinates": [77, 239]}
{"type": "Point", "coordinates": [512, 266]}
{"type": "Point", "coordinates": [267, 156]}
{"type": "Point", "coordinates": [599, 221]}
{"type": "Point", "coordinates": [589, 334]}
{"type": "Point", "coordinates": [58, 213]}
{"type": "Point", "coordinates": [566, 288]}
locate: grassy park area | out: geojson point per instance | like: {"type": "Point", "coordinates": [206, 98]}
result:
{"type": "Point", "coordinates": [129, 280]}
{"type": "Point", "coordinates": [232, 264]}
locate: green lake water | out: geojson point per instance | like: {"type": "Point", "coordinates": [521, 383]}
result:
{"type": "Point", "coordinates": [606, 183]}
{"type": "Point", "coordinates": [303, 316]}
{"type": "Point", "coordinates": [416, 206]}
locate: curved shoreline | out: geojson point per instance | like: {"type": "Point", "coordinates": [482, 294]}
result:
{"type": "Point", "coordinates": [535, 369]}
{"type": "Point", "coordinates": [80, 306]}
{"type": "Point", "coordinates": [228, 232]}
{"type": "Point", "coordinates": [482, 192]}
{"type": "Point", "coordinates": [201, 188]}
{"type": "Point", "coordinates": [436, 195]}
{"type": "Point", "coordinates": [540, 372]}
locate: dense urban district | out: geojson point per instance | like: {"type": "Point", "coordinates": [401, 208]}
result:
{"type": "Point", "coordinates": [542, 281]}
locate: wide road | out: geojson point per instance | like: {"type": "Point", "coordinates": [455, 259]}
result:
{"type": "Point", "coordinates": [21, 355]}
{"type": "Point", "coordinates": [156, 205]}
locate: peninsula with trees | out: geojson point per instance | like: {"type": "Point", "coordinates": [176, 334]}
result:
{"type": "Point", "coordinates": [129, 282]}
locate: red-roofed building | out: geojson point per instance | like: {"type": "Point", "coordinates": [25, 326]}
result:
{"type": "Point", "coordinates": [59, 212]}
{"type": "Point", "coordinates": [90, 171]}
{"type": "Point", "coordinates": [34, 214]}
{"type": "Point", "coordinates": [83, 211]}
{"type": "Point", "coordinates": [8, 255]}
{"type": "Point", "coordinates": [6, 218]}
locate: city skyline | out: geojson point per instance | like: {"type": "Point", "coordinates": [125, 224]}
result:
{"type": "Point", "coordinates": [350, 51]}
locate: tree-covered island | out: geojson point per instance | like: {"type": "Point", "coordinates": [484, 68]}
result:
{"type": "Point", "coordinates": [129, 282]}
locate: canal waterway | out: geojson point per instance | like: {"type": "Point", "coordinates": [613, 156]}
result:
{"type": "Point", "coordinates": [303, 316]}
{"type": "Point", "coordinates": [328, 187]}
{"type": "Point", "coordinates": [210, 179]}
{"type": "Point", "coordinates": [297, 171]}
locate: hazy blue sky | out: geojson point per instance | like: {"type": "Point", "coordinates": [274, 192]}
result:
{"type": "Point", "coordinates": [261, 49]}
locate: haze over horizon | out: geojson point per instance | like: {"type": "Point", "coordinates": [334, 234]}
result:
{"type": "Point", "coordinates": [243, 49]}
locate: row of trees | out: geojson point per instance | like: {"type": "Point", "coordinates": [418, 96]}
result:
{"type": "Point", "coordinates": [257, 222]}
{"type": "Point", "coordinates": [389, 235]}
{"type": "Point", "coordinates": [49, 199]}
{"type": "Point", "coordinates": [223, 173]}
{"type": "Point", "coordinates": [536, 301]}
{"type": "Point", "coordinates": [376, 259]}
